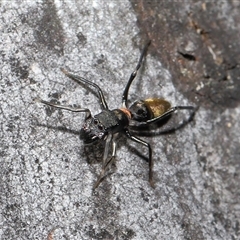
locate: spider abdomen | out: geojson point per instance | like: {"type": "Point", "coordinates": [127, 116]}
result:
{"type": "Point", "coordinates": [157, 106]}
{"type": "Point", "coordinates": [143, 110]}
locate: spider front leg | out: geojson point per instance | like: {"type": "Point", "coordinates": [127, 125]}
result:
{"type": "Point", "coordinates": [150, 161]}
{"type": "Point", "coordinates": [106, 164]}
{"type": "Point", "coordinates": [72, 109]}
{"type": "Point", "coordinates": [79, 79]}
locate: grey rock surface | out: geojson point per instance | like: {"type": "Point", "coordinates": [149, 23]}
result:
{"type": "Point", "coordinates": [47, 174]}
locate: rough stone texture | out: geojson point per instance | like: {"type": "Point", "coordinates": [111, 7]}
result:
{"type": "Point", "coordinates": [47, 174]}
{"type": "Point", "coordinates": [197, 42]}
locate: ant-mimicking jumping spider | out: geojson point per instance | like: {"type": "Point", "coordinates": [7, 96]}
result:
{"type": "Point", "coordinates": [106, 125]}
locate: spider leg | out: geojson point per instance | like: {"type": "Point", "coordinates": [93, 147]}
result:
{"type": "Point", "coordinates": [133, 75]}
{"type": "Point", "coordinates": [83, 80]}
{"type": "Point", "coordinates": [170, 111]}
{"type": "Point", "coordinates": [106, 164]}
{"type": "Point", "coordinates": [150, 160]}
{"type": "Point", "coordinates": [106, 149]}
{"type": "Point", "coordinates": [164, 115]}
{"type": "Point", "coordinates": [88, 113]}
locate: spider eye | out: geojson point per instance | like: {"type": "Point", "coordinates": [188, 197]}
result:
{"type": "Point", "coordinates": [95, 121]}
{"type": "Point", "coordinates": [100, 127]}
{"type": "Point", "coordinates": [140, 111]}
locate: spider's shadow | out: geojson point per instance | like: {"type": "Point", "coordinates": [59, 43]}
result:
{"type": "Point", "coordinates": [59, 128]}
{"type": "Point", "coordinates": [94, 152]}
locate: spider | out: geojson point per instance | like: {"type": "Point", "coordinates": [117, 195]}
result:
{"type": "Point", "coordinates": [106, 125]}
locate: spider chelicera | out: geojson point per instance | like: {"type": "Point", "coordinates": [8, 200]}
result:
{"type": "Point", "coordinates": [106, 125]}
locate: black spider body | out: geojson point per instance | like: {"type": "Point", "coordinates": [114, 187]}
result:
{"type": "Point", "coordinates": [106, 125]}
{"type": "Point", "coordinates": [98, 127]}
